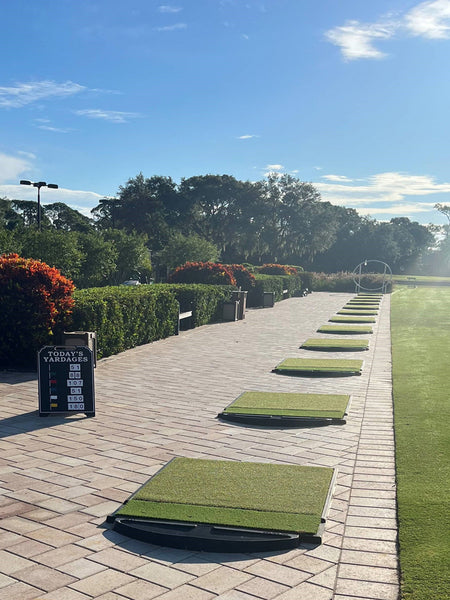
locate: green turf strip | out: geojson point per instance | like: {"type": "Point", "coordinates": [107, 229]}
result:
{"type": "Point", "coordinates": [327, 365]}
{"type": "Point", "coordinates": [329, 406]}
{"type": "Point", "coordinates": [361, 319]}
{"type": "Point", "coordinates": [335, 344]}
{"type": "Point", "coordinates": [234, 517]}
{"type": "Point", "coordinates": [420, 327]}
{"type": "Point", "coordinates": [259, 495]}
{"type": "Point", "coordinates": [345, 329]}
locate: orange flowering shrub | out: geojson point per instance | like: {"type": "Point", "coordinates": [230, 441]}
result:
{"type": "Point", "coordinates": [203, 272]}
{"type": "Point", "coordinates": [244, 279]}
{"type": "Point", "coordinates": [35, 302]}
{"type": "Point", "coordinates": [274, 269]}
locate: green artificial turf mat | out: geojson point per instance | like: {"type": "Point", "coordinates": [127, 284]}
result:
{"type": "Point", "coordinates": [242, 494]}
{"type": "Point", "coordinates": [353, 306]}
{"type": "Point", "coordinates": [365, 302]}
{"type": "Point", "coordinates": [357, 311]}
{"type": "Point", "coordinates": [345, 329]}
{"type": "Point", "coordinates": [330, 406]}
{"type": "Point", "coordinates": [335, 344]}
{"type": "Point", "coordinates": [327, 365]}
{"type": "Point", "coordinates": [348, 319]}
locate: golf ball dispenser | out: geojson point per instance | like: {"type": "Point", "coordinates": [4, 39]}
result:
{"type": "Point", "coordinates": [66, 380]}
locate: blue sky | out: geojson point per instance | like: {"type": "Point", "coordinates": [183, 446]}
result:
{"type": "Point", "coordinates": [352, 96]}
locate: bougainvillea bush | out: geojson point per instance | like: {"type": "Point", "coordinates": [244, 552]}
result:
{"type": "Point", "coordinates": [203, 272]}
{"type": "Point", "coordinates": [244, 279]}
{"type": "Point", "coordinates": [275, 269]}
{"type": "Point", "coordinates": [35, 305]}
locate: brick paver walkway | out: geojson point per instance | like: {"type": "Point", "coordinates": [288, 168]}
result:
{"type": "Point", "coordinates": [60, 477]}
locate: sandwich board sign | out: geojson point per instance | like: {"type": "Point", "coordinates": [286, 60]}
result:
{"type": "Point", "coordinates": [66, 380]}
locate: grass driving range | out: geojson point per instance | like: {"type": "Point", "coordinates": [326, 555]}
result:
{"type": "Point", "coordinates": [421, 381]}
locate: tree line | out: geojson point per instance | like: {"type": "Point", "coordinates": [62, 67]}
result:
{"type": "Point", "coordinates": [279, 219]}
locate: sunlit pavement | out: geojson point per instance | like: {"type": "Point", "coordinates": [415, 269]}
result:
{"type": "Point", "coordinates": [61, 476]}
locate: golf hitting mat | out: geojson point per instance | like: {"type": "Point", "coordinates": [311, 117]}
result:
{"type": "Point", "coordinates": [283, 409]}
{"type": "Point", "coordinates": [352, 319]}
{"type": "Point", "coordinates": [346, 329]}
{"type": "Point", "coordinates": [335, 345]}
{"type": "Point", "coordinates": [227, 506]}
{"type": "Point", "coordinates": [327, 366]}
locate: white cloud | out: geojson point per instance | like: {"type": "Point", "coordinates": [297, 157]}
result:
{"type": "Point", "coordinates": [174, 27]}
{"type": "Point", "coordinates": [114, 116]}
{"type": "Point", "coordinates": [247, 137]}
{"type": "Point", "coordinates": [356, 39]}
{"type": "Point", "coordinates": [274, 167]}
{"type": "Point", "coordinates": [11, 167]}
{"type": "Point", "coordinates": [22, 94]}
{"type": "Point", "coordinates": [389, 193]}
{"type": "Point", "coordinates": [430, 19]}
{"type": "Point", "coordinates": [165, 8]}
{"type": "Point", "coordinates": [27, 154]}
{"type": "Point", "coordinates": [336, 178]}
{"type": "Point", "coordinates": [399, 209]}
{"type": "Point", "coordinates": [80, 200]}
{"type": "Point", "coordinates": [54, 129]}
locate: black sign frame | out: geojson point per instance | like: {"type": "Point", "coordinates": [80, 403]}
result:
{"type": "Point", "coordinates": [66, 380]}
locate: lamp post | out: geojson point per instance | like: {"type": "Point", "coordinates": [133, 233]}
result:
{"type": "Point", "coordinates": [38, 185]}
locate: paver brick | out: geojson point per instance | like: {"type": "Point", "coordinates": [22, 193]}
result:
{"type": "Point", "coordinates": [159, 401]}
{"type": "Point", "coordinates": [161, 575]}
{"type": "Point", "coordinates": [103, 582]}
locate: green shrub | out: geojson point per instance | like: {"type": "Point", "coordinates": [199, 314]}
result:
{"type": "Point", "coordinates": [205, 301]}
{"type": "Point", "coordinates": [125, 317]}
{"type": "Point", "coordinates": [274, 283]}
{"type": "Point", "coordinates": [35, 304]}
{"type": "Point", "coordinates": [345, 282]}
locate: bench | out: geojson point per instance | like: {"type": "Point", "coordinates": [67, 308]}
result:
{"type": "Point", "coordinates": [182, 315]}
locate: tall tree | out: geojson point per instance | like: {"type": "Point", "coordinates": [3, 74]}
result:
{"type": "Point", "coordinates": [143, 205]}
{"type": "Point", "coordinates": [64, 218]}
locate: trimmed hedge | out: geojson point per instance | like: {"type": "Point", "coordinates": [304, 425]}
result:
{"type": "Point", "coordinates": [125, 317]}
{"type": "Point", "coordinates": [343, 282]}
{"type": "Point", "coordinates": [205, 301]}
{"type": "Point", "coordinates": [274, 283]}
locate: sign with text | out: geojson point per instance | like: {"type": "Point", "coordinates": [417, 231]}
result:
{"type": "Point", "coordinates": [66, 380]}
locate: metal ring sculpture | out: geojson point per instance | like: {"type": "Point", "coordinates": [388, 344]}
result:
{"type": "Point", "coordinates": [358, 273]}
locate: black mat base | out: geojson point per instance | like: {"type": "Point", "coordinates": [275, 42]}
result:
{"type": "Point", "coordinates": [211, 538]}
{"type": "Point", "coordinates": [279, 420]}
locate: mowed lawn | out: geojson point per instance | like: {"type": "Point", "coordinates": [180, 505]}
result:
{"type": "Point", "coordinates": [421, 378]}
